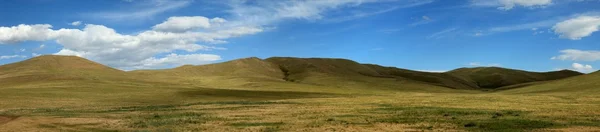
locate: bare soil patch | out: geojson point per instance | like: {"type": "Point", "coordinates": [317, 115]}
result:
{"type": "Point", "coordinates": [6, 119]}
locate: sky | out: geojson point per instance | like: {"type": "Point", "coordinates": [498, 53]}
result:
{"type": "Point", "coordinates": [426, 35]}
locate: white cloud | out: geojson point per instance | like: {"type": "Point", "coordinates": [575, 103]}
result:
{"type": "Point", "coordinates": [177, 60]}
{"type": "Point", "coordinates": [105, 45]}
{"type": "Point", "coordinates": [361, 14]}
{"type": "Point", "coordinates": [35, 54]}
{"type": "Point", "coordinates": [578, 27]}
{"type": "Point", "coordinates": [426, 18]}
{"type": "Point", "coordinates": [141, 10]}
{"type": "Point", "coordinates": [23, 50]}
{"type": "Point", "coordinates": [510, 4]}
{"type": "Point", "coordinates": [474, 64]}
{"type": "Point", "coordinates": [435, 71]}
{"type": "Point", "coordinates": [422, 20]}
{"type": "Point", "coordinates": [578, 55]}
{"type": "Point", "coordinates": [187, 23]}
{"type": "Point", "coordinates": [15, 34]}
{"type": "Point", "coordinates": [75, 23]}
{"type": "Point", "coordinates": [477, 64]}
{"type": "Point", "coordinates": [441, 34]}
{"type": "Point", "coordinates": [11, 56]}
{"type": "Point", "coordinates": [525, 26]}
{"type": "Point", "coordinates": [268, 12]}
{"type": "Point", "coordinates": [583, 68]}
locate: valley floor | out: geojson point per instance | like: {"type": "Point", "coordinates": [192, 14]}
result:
{"type": "Point", "coordinates": [210, 110]}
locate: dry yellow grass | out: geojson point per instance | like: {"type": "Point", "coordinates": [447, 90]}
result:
{"type": "Point", "coordinates": [142, 101]}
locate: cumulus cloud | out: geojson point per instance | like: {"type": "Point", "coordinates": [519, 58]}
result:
{"type": "Point", "coordinates": [20, 33]}
{"type": "Point", "coordinates": [510, 4]}
{"type": "Point", "coordinates": [582, 68]}
{"type": "Point", "coordinates": [105, 45]}
{"type": "Point", "coordinates": [578, 27]}
{"type": "Point", "coordinates": [187, 23]}
{"type": "Point", "coordinates": [176, 60]}
{"type": "Point", "coordinates": [578, 55]}
{"type": "Point", "coordinates": [75, 23]}
{"type": "Point", "coordinates": [11, 56]}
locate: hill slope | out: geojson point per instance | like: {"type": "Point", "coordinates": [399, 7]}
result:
{"type": "Point", "coordinates": [71, 66]}
{"type": "Point", "coordinates": [52, 69]}
{"type": "Point", "coordinates": [584, 84]}
{"type": "Point", "coordinates": [53, 64]}
{"type": "Point", "coordinates": [495, 77]}
{"type": "Point", "coordinates": [440, 79]}
{"type": "Point", "coordinates": [321, 70]}
{"type": "Point", "coordinates": [247, 67]}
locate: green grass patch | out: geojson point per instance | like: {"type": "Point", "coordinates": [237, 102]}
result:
{"type": "Point", "coordinates": [253, 124]}
{"type": "Point", "coordinates": [170, 119]}
{"type": "Point", "coordinates": [469, 119]}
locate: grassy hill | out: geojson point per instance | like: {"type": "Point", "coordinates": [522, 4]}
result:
{"type": "Point", "coordinates": [584, 84]}
{"type": "Point", "coordinates": [53, 69]}
{"type": "Point", "coordinates": [275, 71]}
{"type": "Point", "coordinates": [439, 79]}
{"type": "Point", "coordinates": [246, 67]}
{"type": "Point", "coordinates": [241, 73]}
{"type": "Point", "coordinates": [62, 93]}
{"type": "Point", "coordinates": [496, 77]}
{"type": "Point", "coordinates": [327, 71]}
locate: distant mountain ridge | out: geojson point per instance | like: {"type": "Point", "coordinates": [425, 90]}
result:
{"type": "Point", "coordinates": [316, 71]}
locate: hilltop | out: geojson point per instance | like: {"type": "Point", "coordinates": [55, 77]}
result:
{"type": "Point", "coordinates": [58, 69]}
{"type": "Point", "coordinates": [54, 63]}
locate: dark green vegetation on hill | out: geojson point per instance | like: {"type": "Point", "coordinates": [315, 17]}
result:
{"type": "Point", "coordinates": [300, 69]}
{"type": "Point", "coordinates": [495, 77]}
{"type": "Point", "coordinates": [65, 93]}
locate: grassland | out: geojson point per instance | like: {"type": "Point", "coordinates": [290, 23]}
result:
{"type": "Point", "coordinates": [186, 99]}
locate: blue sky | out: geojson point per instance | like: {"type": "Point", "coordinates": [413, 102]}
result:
{"type": "Point", "coordinates": [428, 35]}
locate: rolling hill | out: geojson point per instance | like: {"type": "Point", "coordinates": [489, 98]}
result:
{"type": "Point", "coordinates": [584, 84]}
{"type": "Point", "coordinates": [315, 70]}
{"type": "Point", "coordinates": [255, 72]}
{"type": "Point", "coordinates": [496, 77]}
{"type": "Point", "coordinates": [439, 79]}
{"type": "Point", "coordinates": [52, 69]}
{"type": "Point", "coordinates": [246, 67]}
